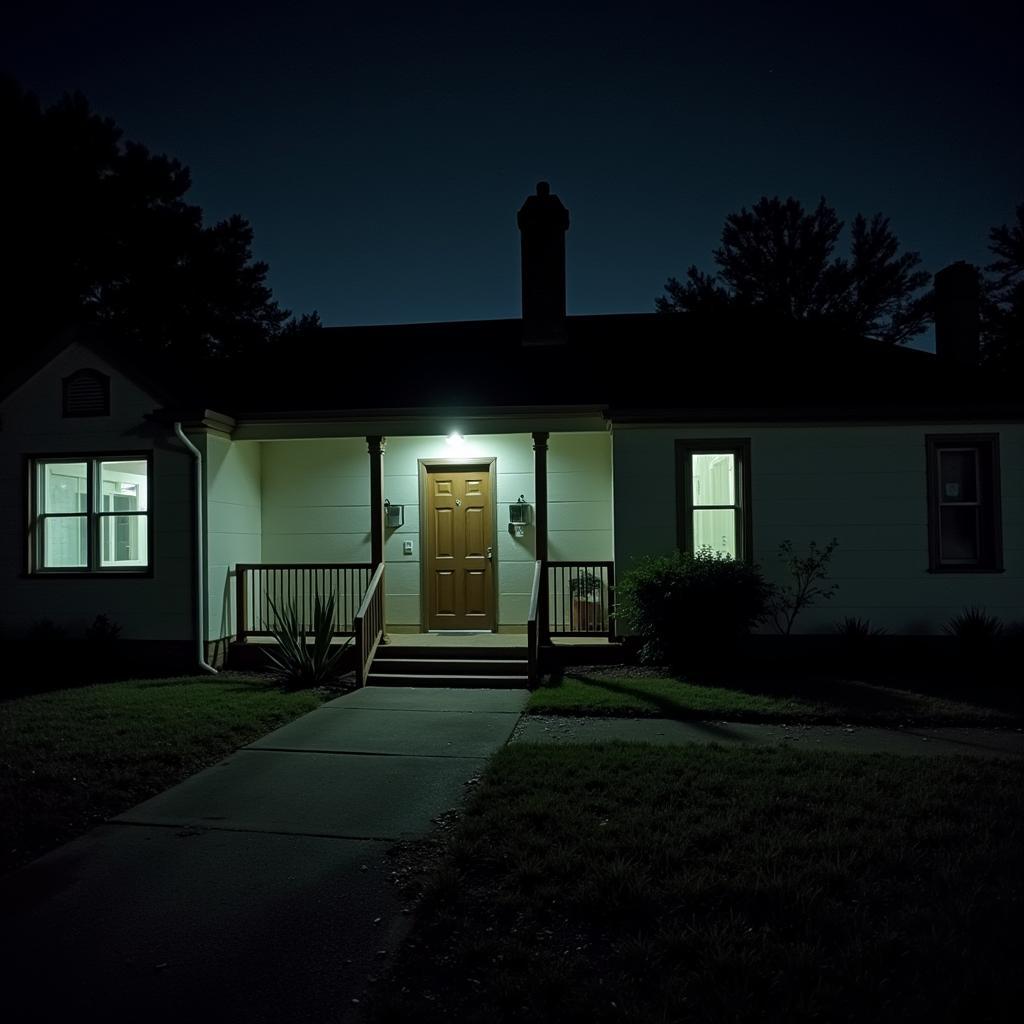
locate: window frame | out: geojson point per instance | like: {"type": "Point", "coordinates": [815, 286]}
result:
{"type": "Point", "coordinates": [987, 448]}
{"type": "Point", "coordinates": [33, 553]}
{"type": "Point", "coordinates": [739, 448]}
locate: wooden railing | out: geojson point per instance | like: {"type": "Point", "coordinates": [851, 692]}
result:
{"type": "Point", "coordinates": [581, 598]}
{"type": "Point", "coordinates": [369, 625]}
{"type": "Point", "coordinates": [533, 631]}
{"type": "Point", "coordinates": [257, 586]}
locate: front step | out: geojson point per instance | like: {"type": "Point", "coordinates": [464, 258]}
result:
{"type": "Point", "coordinates": [502, 668]}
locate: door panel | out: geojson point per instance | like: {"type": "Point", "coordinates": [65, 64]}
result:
{"type": "Point", "coordinates": [459, 572]}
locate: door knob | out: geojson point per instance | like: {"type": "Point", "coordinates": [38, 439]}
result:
{"type": "Point", "coordinates": [490, 553]}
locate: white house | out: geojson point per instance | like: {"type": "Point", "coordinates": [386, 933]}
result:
{"type": "Point", "coordinates": [461, 476]}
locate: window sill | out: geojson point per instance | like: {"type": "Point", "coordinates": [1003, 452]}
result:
{"type": "Point", "coordinates": [960, 570]}
{"type": "Point", "coordinates": [89, 574]}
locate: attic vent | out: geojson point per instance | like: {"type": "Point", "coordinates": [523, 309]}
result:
{"type": "Point", "coordinates": [87, 393]}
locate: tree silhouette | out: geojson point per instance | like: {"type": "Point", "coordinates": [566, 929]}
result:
{"type": "Point", "coordinates": [780, 258]}
{"type": "Point", "coordinates": [101, 233]}
{"type": "Point", "coordinates": [1002, 323]}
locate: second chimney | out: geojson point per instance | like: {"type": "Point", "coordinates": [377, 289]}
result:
{"type": "Point", "coordinates": [957, 324]}
{"type": "Point", "coordinates": [543, 222]}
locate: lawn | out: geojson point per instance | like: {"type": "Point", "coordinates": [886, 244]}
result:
{"type": "Point", "coordinates": [797, 700]}
{"type": "Point", "coordinates": [72, 758]}
{"type": "Point", "coordinates": [643, 884]}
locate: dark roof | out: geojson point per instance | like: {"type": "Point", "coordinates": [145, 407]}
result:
{"type": "Point", "coordinates": [636, 365]}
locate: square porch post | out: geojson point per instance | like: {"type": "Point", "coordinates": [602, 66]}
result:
{"type": "Point", "coordinates": [540, 532]}
{"type": "Point", "coordinates": [375, 445]}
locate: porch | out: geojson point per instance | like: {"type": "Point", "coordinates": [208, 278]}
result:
{"type": "Point", "coordinates": [478, 540]}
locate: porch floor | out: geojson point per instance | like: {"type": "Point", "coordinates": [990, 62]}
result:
{"type": "Point", "coordinates": [455, 639]}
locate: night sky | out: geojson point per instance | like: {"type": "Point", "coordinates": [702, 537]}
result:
{"type": "Point", "coordinates": [381, 154]}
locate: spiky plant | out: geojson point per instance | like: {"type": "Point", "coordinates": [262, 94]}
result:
{"type": "Point", "coordinates": [301, 665]}
{"type": "Point", "coordinates": [974, 626]}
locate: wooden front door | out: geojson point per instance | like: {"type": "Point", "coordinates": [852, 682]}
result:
{"type": "Point", "coordinates": [459, 547]}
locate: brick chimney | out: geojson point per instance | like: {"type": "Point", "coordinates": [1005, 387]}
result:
{"type": "Point", "coordinates": [543, 222]}
{"type": "Point", "coordinates": [957, 325]}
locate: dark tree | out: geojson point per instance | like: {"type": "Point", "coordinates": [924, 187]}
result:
{"type": "Point", "coordinates": [780, 258]}
{"type": "Point", "coordinates": [1002, 326]}
{"type": "Point", "coordinates": [99, 232]}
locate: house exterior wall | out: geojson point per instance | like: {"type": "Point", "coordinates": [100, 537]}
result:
{"type": "Point", "coordinates": [234, 530]}
{"type": "Point", "coordinates": [864, 485]}
{"type": "Point", "coordinates": [156, 610]}
{"type": "Point", "coordinates": [316, 507]}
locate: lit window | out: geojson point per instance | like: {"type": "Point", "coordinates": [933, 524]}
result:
{"type": "Point", "coordinates": [713, 480]}
{"type": "Point", "coordinates": [90, 514]}
{"type": "Point", "coordinates": [964, 532]}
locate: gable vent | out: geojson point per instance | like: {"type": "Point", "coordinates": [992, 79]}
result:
{"type": "Point", "coordinates": [87, 393]}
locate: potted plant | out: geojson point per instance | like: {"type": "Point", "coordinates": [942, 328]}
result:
{"type": "Point", "coordinates": [585, 591]}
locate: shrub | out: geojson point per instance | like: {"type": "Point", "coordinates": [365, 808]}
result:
{"type": "Point", "coordinates": [807, 583]}
{"type": "Point", "coordinates": [689, 608]}
{"type": "Point", "coordinates": [975, 629]}
{"type": "Point", "coordinates": [859, 641]}
{"type": "Point", "coordinates": [301, 665]}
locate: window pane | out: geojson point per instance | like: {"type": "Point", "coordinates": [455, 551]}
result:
{"type": "Point", "coordinates": [958, 537]}
{"type": "Point", "coordinates": [63, 487]}
{"type": "Point", "coordinates": [124, 486]}
{"type": "Point", "coordinates": [714, 479]}
{"type": "Point", "coordinates": [123, 541]}
{"type": "Point", "coordinates": [64, 543]}
{"type": "Point", "coordinates": [958, 475]}
{"type": "Point", "coordinates": [715, 529]}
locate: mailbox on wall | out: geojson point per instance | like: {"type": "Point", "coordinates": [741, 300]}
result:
{"type": "Point", "coordinates": [394, 515]}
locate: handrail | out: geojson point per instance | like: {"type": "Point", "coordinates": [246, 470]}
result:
{"type": "Point", "coordinates": [257, 584]}
{"type": "Point", "coordinates": [532, 630]}
{"type": "Point", "coordinates": [368, 625]}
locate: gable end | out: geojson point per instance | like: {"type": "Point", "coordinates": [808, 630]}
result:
{"type": "Point", "coordinates": [86, 392]}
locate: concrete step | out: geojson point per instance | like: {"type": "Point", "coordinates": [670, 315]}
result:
{"type": "Point", "coordinates": [508, 682]}
{"type": "Point", "coordinates": [388, 652]}
{"type": "Point", "coordinates": [452, 666]}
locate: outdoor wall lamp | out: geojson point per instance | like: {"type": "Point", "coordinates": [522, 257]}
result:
{"type": "Point", "coordinates": [394, 515]}
{"type": "Point", "coordinates": [519, 516]}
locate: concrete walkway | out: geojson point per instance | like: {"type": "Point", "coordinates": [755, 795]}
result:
{"type": "Point", "coordinates": [257, 890]}
{"type": "Point", "coordinates": [917, 741]}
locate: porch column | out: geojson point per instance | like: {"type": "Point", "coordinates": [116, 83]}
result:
{"type": "Point", "coordinates": [375, 445]}
{"type": "Point", "coordinates": [540, 484]}
{"type": "Point", "coordinates": [540, 534]}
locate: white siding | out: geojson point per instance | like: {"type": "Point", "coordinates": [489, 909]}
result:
{"type": "Point", "coordinates": [316, 507]}
{"type": "Point", "coordinates": [864, 485]}
{"type": "Point", "coordinates": [152, 609]}
{"type": "Point", "coordinates": [233, 524]}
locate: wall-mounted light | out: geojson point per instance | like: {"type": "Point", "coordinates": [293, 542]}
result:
{"type": "Point", "coordinates": [394, 515]}
{"type": "Point", "coordinates": [519, 516]}
{"type": "Point", "coordinates": [456, 441]}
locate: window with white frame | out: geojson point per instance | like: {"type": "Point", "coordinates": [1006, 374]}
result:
{"type": "Point", "coordinates": [964, 531]}
{"type": "Point", "coordinates": [90, 513]}
{"type": "Point", "coordinates": [713, 480]}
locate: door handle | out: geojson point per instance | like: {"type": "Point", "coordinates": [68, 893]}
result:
{"type": "Point", "coordinates": [490, 553]}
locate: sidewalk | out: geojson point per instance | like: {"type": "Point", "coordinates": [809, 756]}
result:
{"type": "Point", "coordinates": [857, 739]}
{"type": "Point", "coordinates": [257, 890]}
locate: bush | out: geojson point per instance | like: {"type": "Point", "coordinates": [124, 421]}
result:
{"type": "Point", "coordinates": [690, 608]}
{"type": "Point", "coordinates": [976, 631]}
{"type": "Point", "coordinates": [859, 641]}
{"type": "Point", "coordinates": [806, 584]}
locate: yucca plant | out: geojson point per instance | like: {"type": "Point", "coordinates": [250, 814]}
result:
{"type": "Point", "coordinates": [854, 629]}
{"type": "Point", "coordinates": [974, 626]}
{"type": "Point", "coordinates": [301, 665]}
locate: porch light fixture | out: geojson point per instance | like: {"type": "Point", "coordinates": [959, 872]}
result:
{"type": "Point", "coordinates": [455, 441]}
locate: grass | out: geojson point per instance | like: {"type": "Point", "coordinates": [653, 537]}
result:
{"type": "Point", "coordinates": [72, 758]}
{"type": "Point", "coordinates": [643, 884]}
{"type": "Point", "coordinates": [788, 700]}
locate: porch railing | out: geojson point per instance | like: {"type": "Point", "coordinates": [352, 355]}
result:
{"type": "Point", "coordinates": [259, 585]}
{"type": "Point", "coordinates": [369, 625]}
{"type": "Point", "coordinates": [581, 598]}
{"type": "Point", "coordinates": [533, 637]}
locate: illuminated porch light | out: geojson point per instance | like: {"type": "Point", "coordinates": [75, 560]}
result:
{"type": "Point", "coordinates": [455, 441]}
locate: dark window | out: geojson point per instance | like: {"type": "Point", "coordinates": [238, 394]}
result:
{"type": "Point", "coordinates": [713, 496]}
{"type": "Point", "coordinates": [90, 514]}
{"type": "Point", "coordinates": [87, 393]}
{"type": "Point", "coordinates": [964, 531]}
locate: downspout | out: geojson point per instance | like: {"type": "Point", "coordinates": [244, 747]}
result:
{"type": "Point", "coordinates": [200, 568]}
